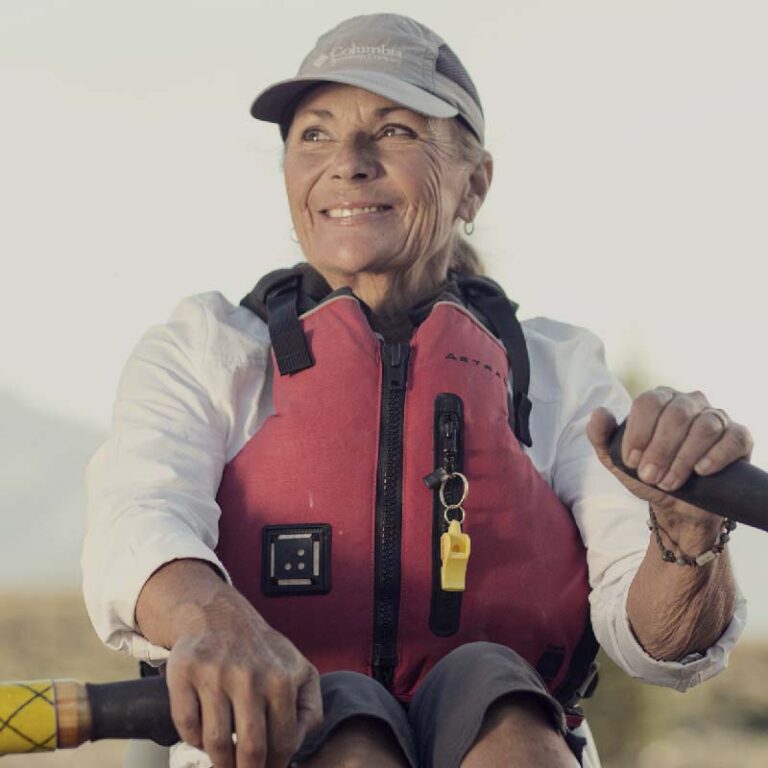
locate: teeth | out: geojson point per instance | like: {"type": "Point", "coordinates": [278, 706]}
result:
{"type": "Point", "coordinates": [339, 213]}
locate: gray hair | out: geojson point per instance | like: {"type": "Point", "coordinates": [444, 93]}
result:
{"type": "Point", "coordinates": [465, 260]}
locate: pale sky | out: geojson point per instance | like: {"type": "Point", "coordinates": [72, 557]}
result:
{"type": "Point", "coordinates": [629, 195]}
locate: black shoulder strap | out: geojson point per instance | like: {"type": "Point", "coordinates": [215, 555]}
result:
{"type": "Point", "coordinates": [288, 340]}
{"type": "Point", "coordinates": [276, 299]}
{"type": "Point", "coordinates": [500, 314]}
{"type": "Point", "coordinates": [312, 289]}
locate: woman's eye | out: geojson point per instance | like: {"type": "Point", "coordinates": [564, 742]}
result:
{"type": "Point", "coordinates": [397, 130]}
{"type": "Point", "coordinates": [314, 135]}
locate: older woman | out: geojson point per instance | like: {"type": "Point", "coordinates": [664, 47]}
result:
{"type": "Point", "coordinates": [369, 470]}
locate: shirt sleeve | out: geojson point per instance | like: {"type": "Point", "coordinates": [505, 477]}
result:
{"type": "Point", "coordinates": [152, 486]}
{"type": "Point", "coordinates": [613, 526]}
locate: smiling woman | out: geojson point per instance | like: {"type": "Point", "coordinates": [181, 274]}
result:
{"type": "Point", "coordinates": [368, 518]}
{"type": "Point", "coordinates": [375, 191]}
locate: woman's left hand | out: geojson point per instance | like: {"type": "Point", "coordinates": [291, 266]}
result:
{"type": "Point", "coordinates": [669, 435]}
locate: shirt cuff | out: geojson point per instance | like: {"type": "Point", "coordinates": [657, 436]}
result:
{"type": "Point", "coordinates": [693, 668]}
{"type": "Point", "coordinates": [126, 578]}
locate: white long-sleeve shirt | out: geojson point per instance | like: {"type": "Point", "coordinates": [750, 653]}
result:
{"type": "Point", "coordinates": [195, 390]}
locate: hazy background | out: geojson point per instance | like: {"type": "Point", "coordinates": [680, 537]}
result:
{"type": "Point", "coordinates": [629, 196]}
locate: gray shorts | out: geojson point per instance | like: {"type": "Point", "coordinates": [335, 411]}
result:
{"type": "Point", "coordinates": [446, 714]}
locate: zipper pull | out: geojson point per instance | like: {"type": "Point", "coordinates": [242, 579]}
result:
{"type": "Point", "coordinates": [435, 478]}
{"type": "Point", "coordinates": [396, 363]}
{"type": "Point", "coordinates": [449, 432]}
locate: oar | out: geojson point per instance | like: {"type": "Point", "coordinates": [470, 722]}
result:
{"type": "Point", "coordinates": [738, 492]}
{"type": "Point", "coordinates": [43, 715]}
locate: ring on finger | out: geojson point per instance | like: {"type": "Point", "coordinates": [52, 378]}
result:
{"type": "Point", "coordinates": [721, 415]}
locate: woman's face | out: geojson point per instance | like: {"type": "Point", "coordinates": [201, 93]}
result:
{"type": "Point", "coordinates": [372, 185]}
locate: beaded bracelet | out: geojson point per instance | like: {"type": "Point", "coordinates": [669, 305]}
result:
{"type": "Point", "coordinates": [682, 559]}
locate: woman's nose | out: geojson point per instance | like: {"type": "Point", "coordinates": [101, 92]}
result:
{"type": "Point", "coordinates": [356, 160]}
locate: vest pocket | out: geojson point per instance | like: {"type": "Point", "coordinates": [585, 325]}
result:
{"type": "Point", "coordinates": [445, 607]}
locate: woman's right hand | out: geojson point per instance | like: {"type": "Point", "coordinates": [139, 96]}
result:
{"type": "Point", "coordinates": [229, 671]}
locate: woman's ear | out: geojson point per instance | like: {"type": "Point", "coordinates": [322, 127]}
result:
{"type": "Point", "coordinates": [477, 187]}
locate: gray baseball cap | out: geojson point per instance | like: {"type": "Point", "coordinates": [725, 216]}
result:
{"type": "Point", "coordinates": [387, 54]}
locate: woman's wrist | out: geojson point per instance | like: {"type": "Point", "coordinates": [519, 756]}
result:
{"type": "Point", "coordinates": [176, 598]}
{"type": "Point", "coordinates": [687, 539]}
{"type": "Point", "coordinates": [691, 527]}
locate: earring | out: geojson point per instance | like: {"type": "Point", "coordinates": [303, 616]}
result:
{"type": "Point", "coordinates": [293, 236]}
{"type": "Point", "coordinates": [469, 227]}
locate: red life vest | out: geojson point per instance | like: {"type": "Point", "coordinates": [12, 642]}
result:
{"type": "Point", "coordinates": [330, 531]}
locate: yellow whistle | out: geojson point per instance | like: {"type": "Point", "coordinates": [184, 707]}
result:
{"type": "Point", "coordinates": [454, 554]}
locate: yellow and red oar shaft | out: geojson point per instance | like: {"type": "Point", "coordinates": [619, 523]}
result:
{"type": "Point", "coordinates": [43, 715]}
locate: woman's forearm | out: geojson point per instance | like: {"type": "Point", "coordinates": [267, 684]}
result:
{"type": "Point", "coordinates": [181, 597]}
{"type": "Point", "coordinates": [676, 610]}
{"type": "Point", "coordinates": [227, 667]}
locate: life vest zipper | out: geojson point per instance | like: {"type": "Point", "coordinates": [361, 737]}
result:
{"type": "Point", "coordinates": [389, 508]}
{"type": "Point", "coordinates": [445, 607]}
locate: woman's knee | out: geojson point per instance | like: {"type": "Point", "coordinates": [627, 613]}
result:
{"type": "Point", "coordinates": [364, 726]}
{"type": "Point", "coordinates": [520, 729]}
{"type": "Point", "coordinates": [524, 709]}
{"type": "Point", "coordinates": [359, 742]}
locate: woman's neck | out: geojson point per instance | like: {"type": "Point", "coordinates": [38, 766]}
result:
{"type": "Point", "coordinates": [390, 294]}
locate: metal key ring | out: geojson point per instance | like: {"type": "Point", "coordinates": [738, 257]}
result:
{"type": "Point", "coordinates": [451, 507]}
{"type": "Point", "coordinates": [464, 492]}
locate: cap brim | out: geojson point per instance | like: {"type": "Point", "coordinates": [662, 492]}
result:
{"type": "Point", "coordinates": [273, 103]}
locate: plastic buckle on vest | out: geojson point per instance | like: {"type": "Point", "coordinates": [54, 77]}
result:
{"type": "Point", "coordinates": [574, 714]}
{"type": "Point", "coordinates": [587, 687]}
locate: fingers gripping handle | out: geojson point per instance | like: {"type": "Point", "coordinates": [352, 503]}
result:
{"type": "Point", "coordinates": [738, 492]}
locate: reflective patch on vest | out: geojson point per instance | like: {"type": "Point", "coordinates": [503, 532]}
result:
{"type": "Point", "coordinates": [296, 560]}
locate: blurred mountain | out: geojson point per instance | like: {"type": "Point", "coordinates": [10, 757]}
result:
{"type": "Point", "coordinates": [42, 497]}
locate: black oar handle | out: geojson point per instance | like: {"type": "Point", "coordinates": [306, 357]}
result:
{"type": "Point", "coordinates": [738, 492]}
{"type": "Point", "coordinates": [132, 709]}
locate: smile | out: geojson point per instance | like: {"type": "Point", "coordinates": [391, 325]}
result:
{"type": "Point", "coordinates": [347, 213]}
